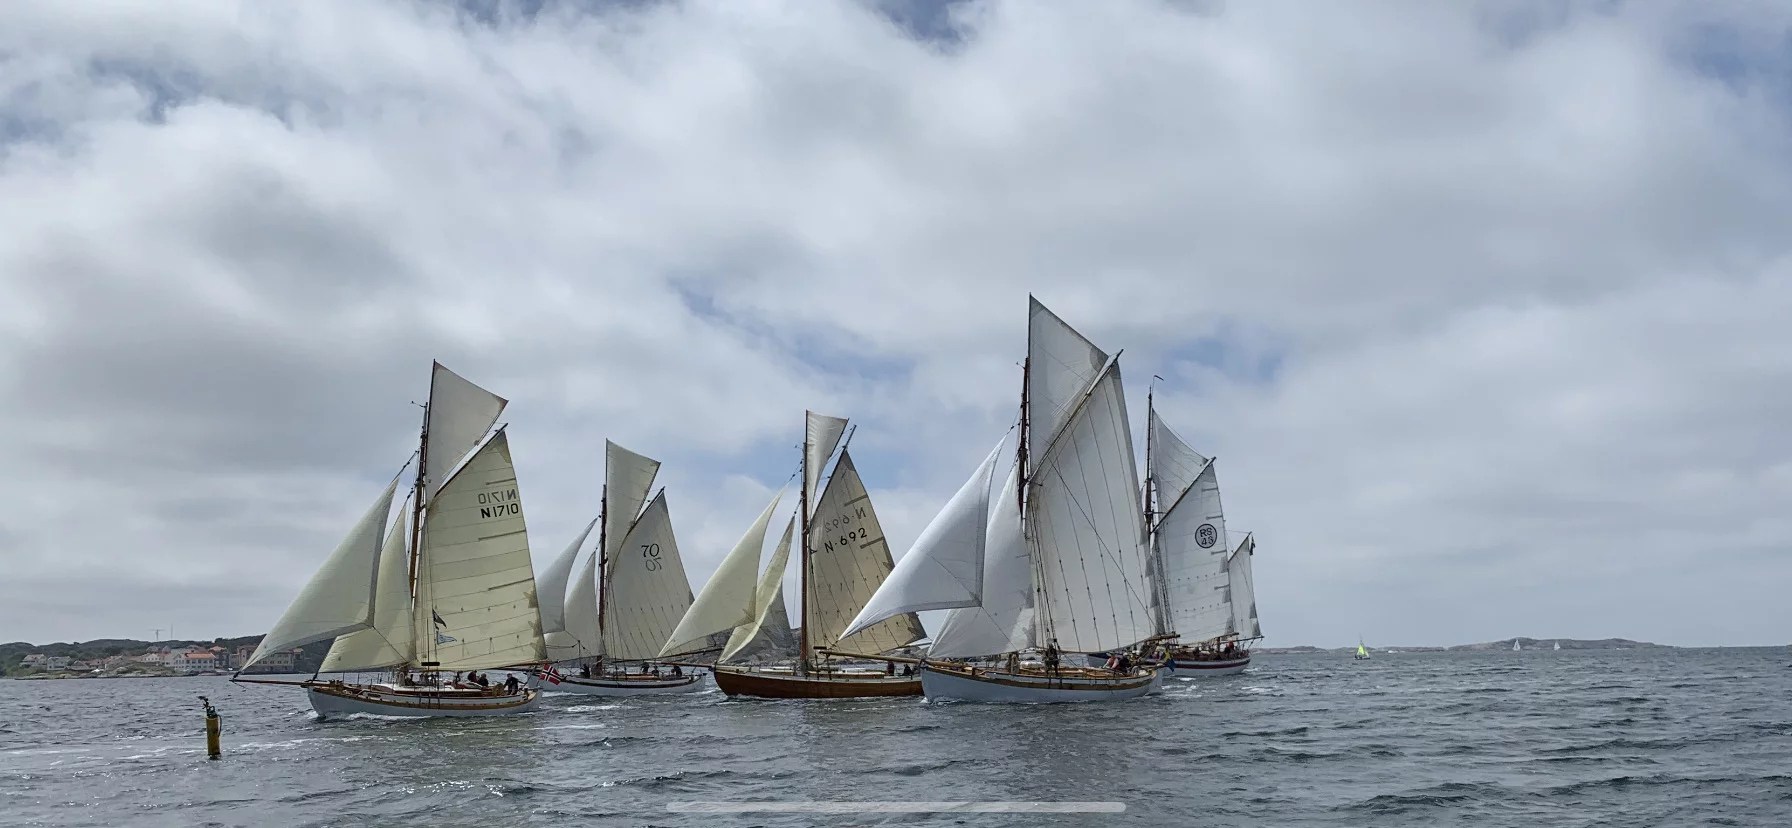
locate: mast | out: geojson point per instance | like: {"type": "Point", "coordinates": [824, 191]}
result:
{"type": "Point", "coordinates": [417, 522]}
{"type": "Point", "coordinates": [802, 659]}
{"type": "Point", "coordinates": [1021, 453]}
{"type": "Point", "coordinates": [603, 550]}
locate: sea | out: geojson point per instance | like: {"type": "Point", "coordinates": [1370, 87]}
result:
{"type": "Point", "coordinates": [1550, 738]}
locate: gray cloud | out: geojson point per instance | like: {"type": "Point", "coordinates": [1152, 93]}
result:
{"type": "Point", "coordinates": [1479, 304]}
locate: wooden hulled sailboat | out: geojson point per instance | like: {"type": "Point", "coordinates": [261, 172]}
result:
{"type": "Point", "coordinates": [843, 559]}
{"type": "Point", "coordinates": [461, 599]}
{"type": "Point", "coordinates": [1056, 563]}
{"type": "Point", "coordinates": [631, 593]}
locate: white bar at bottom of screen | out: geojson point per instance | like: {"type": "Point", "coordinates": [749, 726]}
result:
{"type": "Point", "coordinates": [879, 807]}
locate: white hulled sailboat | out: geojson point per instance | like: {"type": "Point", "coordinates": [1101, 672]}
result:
{"type": "Point", "coordinates": [843, 559]}
{"type": "Point", "coordinates": [631, 593]}
{"type": "Point", "coordinates": [462, 599]}
{"type": "Point", "coordinates": [1054, 564]}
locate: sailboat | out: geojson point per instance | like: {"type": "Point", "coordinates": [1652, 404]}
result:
{"type": "Point", "coordinates": [1054, 564]}
{"type": "Point", "coordinates": [1558, 645]}
{"type": "Point", "coordinates": [843, 559]}
{"type": "Point", "coordinates": [630, 594]}
{"type": "Point", "coordinates": [1201, 586]}
{"type": "Point", "coordinates": [1515, 647]}
{"type": "Point", "coordinates": [462, 598]}
{"type": "Point", "coordinates": [1362, 653]}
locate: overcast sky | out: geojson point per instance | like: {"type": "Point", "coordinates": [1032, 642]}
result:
{"type": "Point", "coordinates": [1485, 308]}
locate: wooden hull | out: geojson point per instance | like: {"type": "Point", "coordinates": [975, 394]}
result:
{"type": "Point", "coordinates": [337, 699]}
{"type": "Point", "coordinates": [631, 685]}
{"type": "Point", "coordinates": [1035, 687]}
{"type": "Point", "coordinates": [783, 684]}
{"type": "Point", "coordinates": [1191, 667]}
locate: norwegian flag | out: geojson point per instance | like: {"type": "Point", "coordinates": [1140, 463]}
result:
{"type": "Point", "coordinates": [551, 675]}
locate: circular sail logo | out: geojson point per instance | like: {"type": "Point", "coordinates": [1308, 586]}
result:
{"type": "Point", "coordinates": [1207, 536]}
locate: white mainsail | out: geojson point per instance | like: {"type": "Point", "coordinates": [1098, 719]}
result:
{"type": "Point", "coordinates": [387, 641]}
{"type": "Point", "coordinates": [1089, 547]}
{"type": "Point", "coordinates": [646, 592]}
{"type": "Point", "coordinates": [460, 414]}
{"type": "Point", "coordinates": [339, 598]}
{"type": "Point", "coordinates": [769, 636]}
{"type": "Point", "coordinates": [1190, 546]}
{"type": "Point", "coordinates": [476, 605]}
{"type": "Point", "coordinates": [848, 560]}
{"type": "Point", "coordinates": [727, 600]}
{"type": "Point", "coordinates": [944, 569]}
{"type": "Point", "coordinates": [1002, 622]}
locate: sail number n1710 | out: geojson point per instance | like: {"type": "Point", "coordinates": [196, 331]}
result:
{"type": "Point", "coordinates": [501, 503]}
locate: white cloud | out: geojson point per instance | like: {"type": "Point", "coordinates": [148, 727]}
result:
{"type": "Point", "coordinates": [1495, 289]}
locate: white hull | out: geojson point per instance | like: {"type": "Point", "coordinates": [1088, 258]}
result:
{"type": "Point", "coordinates": [986, 685]}
{"type": "Point", "coordinates": [334, 699]}
{"type": "Point", "coordinates": [632, 686]}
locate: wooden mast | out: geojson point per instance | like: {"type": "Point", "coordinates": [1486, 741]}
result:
{"type": "Point", "coordinates": [802, 659]}
{"type": "Point", "coordinates": [603, 552]}
{"type": "Point", "coordinates": [417, 522]}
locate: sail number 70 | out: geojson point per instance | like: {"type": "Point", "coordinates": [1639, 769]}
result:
{"type": "Point", "coordinates": [650, 552]}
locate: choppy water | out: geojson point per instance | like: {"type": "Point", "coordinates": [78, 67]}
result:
{"type": "Point", "coordinates": [1493, 739]}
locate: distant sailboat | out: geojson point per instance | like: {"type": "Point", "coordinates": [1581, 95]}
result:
{"type": "Point", "coordinates": [1558, 645]}
{"type": "Point", "coordinates": [1362, 652]}
{"type": "Point", "coordinates": [632, 591]}
{"type": "Point", "coordinates": [463, 599]}
{"type": "Point", "coordinates": [1515, 647]}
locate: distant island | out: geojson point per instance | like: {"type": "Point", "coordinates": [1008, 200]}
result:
{"type": "Point", "coordinates": [128, 657]}
{"type": "Point", "coordinates": [1502, 644]}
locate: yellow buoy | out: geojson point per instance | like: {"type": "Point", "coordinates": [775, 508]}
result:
{"type": "Point", "coordinates": [213, 729]}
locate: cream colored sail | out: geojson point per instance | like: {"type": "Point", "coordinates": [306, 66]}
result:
{"type": "Point", "coordinates": [339, 598]}
{"type": "Point", "coordinates": [628, 477]}
{"type": "Point", "coordinates": [551, 584]}
{"type": "Point", "coordinates": [1244, 592]}
{"type": "Point", "coordinates": [647, 592]}
{"type": "Point", "coordinates": [769, 636]}
{"type": "Point", "coordinates": [726, 601]}
{"type": "Point", "coordinates": [1084, 523]}
{"type": "Point", "coordinates": [821, 434]}
{"type": "Point", "coordinates": [387, 643]}
{"type": "Point", "coordinates": [476, 605]}
{"type": "Point", "coordinates": [582, 638]}
{"type": "Point", "coordinates": [848, 560]}
{"type": "Point", "coordinates": [460, 414]}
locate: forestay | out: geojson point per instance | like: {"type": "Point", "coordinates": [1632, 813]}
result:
{"type": "Point", "coordinates": [476, 605]}
{"type": "Point", "coordinates": [339, 598]}
{"type": "Point", "coordinates": [1088, 538]}
{"type": "Point", "coordinates": [848, 560]}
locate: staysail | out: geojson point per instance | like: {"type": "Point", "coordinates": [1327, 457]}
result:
{"type": "Point", "coordinates": [944, 569]}
{"type": "Point", "coordinates": [769, 636]}
{"type": "Point", "coordinates": [551, 584]}
{"type": "Point", "coordinates": [339, 599]}
{"type": "Point", "coordinates": [1003, 620]}
{"type": "Point", "coordinates": [387, 641]}
{"type": "Point", "coordinates": [1244, 594]}
{"type": "Point", "coordinates": [476, 606]}
{"type": "Point", "coordinates": [582, 639]}
{"type": "Point", "coordinates": [726, 601]}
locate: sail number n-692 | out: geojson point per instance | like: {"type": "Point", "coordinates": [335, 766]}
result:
{"type": "Point", "coordinates": [650, 555]}
{"type": "Point", "coordinates": [502, 503]}
{"type": "Point", "coordinates": [837, 526]}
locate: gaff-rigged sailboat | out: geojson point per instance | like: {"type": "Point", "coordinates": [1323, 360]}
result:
{"type": "Point", "coordinates": [843, 559]}
{"type": "Point", "coordinates": [463, 599]}
{"type": "Point", "coordinates": [1057, 563]}
{"type": "Point", "coordinates": [631, 593]}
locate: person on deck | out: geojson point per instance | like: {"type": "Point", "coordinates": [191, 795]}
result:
{"type": "Point", "coordinates": [511, 684]}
